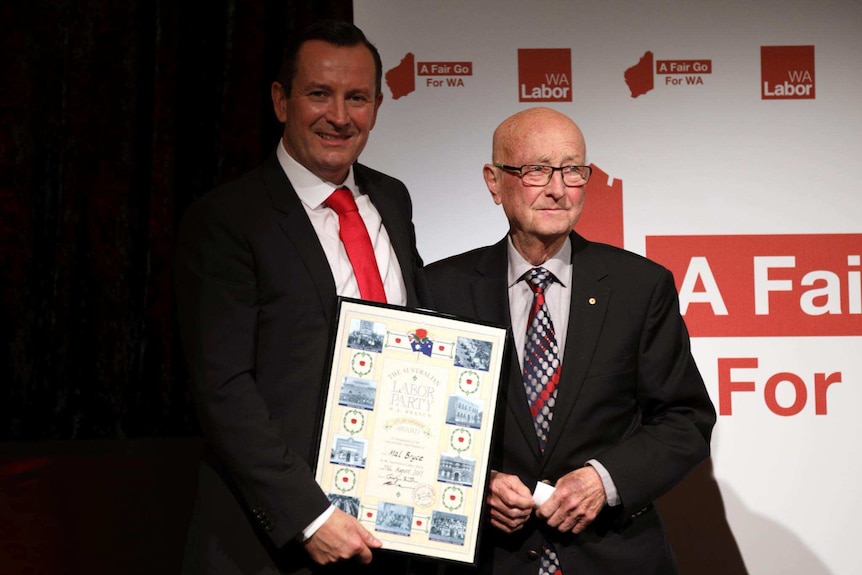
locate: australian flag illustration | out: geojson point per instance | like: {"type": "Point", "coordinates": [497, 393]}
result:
{"type": "Point", "coordinates": [419, 342]}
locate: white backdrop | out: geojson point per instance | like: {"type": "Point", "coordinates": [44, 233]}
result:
{"type": "Point", "coordinates": [707, 156]}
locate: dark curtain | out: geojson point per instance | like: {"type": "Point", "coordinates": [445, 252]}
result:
{"type": "Point", "coordinates": [115, 116]}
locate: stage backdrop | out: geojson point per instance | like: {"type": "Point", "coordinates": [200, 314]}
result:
{"type": "Point", "coordinates": [726, 141]}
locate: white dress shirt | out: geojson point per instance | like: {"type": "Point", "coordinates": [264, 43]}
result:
{"type": "Point", "coordinates": [313, 192]}
{"type": "Point", "coordinates": [558, 297]}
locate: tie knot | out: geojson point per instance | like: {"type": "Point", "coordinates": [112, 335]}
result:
{"type": "Point", "coordinates": [539, 279]}
{"type": "Point", "coordinates": [341, 201]}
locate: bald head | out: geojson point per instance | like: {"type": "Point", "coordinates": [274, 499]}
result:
{"type": "Point", "coordinates": [512, 134]}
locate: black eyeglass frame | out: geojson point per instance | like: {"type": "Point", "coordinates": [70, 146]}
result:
{"type": "Point", "coordinates": [550, 174]}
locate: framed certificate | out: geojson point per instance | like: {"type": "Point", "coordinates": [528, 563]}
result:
{"type": "Point", "coordinates": [406, 430]}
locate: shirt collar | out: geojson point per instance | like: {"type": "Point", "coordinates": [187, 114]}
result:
{"type": "Point", "coordinates": [311, 189]}
{"type": "Point", "coordinates": [559, 264]}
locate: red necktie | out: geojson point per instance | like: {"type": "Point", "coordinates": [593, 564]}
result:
{"type": "Point", "coordinates": [356, 241]}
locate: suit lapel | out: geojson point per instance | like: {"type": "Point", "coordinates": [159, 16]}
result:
{"type": "Point", "coordinates": [397, 229]}
{"type": "Point", "coordinates": [490, 293]}
{"type": "Point", "coordinates": [298, 229]}
{"type": "Point", "coordinates": [589, 304]}
{"type": "Point", "coordinates": [492, 280]}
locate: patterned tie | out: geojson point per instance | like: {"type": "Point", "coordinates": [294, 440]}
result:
{"type": "Point", "coordinates": [541, 356]}
{"type": "Point", "coordinates": [541, 377]}
{"type": "Point", "coordinates": [354, 236]}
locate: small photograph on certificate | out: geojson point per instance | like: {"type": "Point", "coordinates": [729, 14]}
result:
{"type": "Point", "coordinates": [448, 527]}
{"type": "Point", "coordinates": [357, 392]}
{"type": "Point", "coordinates": [346, 503]}
{"type": "Point", "coordinates": [473, 353]}
{"type": "Point", "coordinates": [349, 450]}
{"type": "Point", "coordinates": [455, 468]}
{"type": "Point", "coordinates": [394, 518]}
{"type": "Point", "coordinates": [464, 411]}
{"type": "Point", "coordinates": [366, 335]}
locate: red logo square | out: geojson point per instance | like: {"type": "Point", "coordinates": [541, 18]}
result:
{"type": "Point", "coordinates": [787, 72]}
{"type": "Point", "coordinates": [544, 74]}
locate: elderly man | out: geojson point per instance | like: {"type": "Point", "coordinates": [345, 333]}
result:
{"type": "Point", "coordinates": [605, 408]}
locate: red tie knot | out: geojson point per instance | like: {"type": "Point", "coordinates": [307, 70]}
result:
{"type": "Point", "coordinates": [341, 201]}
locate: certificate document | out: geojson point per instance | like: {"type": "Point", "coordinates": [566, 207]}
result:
{"type": "Point", "coordinates": [406, 431]}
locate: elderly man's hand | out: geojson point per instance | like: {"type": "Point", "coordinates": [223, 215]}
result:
{"type": "Point", "coordinates": [577, 499]}
{"type": "Point", "coordinates": [510, 501]}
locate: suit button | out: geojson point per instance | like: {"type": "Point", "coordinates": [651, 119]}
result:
{"type": "Point", "coordinates": [532, 554]}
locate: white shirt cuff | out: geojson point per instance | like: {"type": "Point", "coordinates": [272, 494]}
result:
{"type": "Point", "coordinates": [317, 523]}
{"type": "Point", "coordinates": [611, 493]}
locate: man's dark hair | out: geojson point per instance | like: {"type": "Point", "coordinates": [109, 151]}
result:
{"type": "Point", "coordinates": [335, 32]}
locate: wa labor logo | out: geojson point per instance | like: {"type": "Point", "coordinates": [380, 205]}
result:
{"type": "Point", "coordinates": [544, 74]}
{"type": "Point", "coordinates": [787, 72]}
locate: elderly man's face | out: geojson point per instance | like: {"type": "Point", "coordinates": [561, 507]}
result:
{"type": "Point", "coordinates": [548, 212]}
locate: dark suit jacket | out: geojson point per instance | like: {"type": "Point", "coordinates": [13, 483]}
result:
{"type": "Point", "coordinates": [630, 396]}
{"type": "Point", "coordinates": [256, 302]}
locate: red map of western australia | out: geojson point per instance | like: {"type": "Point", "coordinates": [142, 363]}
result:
{"type": "Point", "coordinates": [401, 79]}
{"type": "Point", "coordinates": [640, 78]}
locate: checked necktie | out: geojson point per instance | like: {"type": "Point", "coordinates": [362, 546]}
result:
{"type": "Point", "coordinates": [354, 236]}
{"type": "Point", "coordinates": [541, 377]}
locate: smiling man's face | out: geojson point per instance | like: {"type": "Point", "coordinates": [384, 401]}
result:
{"type": "Point", "coordinates": [331, 107]}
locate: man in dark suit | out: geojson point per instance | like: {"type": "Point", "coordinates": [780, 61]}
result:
{"type": "Point", "coordinates": [259, 265]}
{"type": "Point", "coordinates": [605, 409]}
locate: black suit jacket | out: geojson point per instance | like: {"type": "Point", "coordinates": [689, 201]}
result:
{"type": "Point", "coordinates": [256, 303]}
{"type": "Point", "coordinates": [630, 396]}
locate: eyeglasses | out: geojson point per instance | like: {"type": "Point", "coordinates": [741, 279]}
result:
{"type": "Point", "coordinates": [538, 175]}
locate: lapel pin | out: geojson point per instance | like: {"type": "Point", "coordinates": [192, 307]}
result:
{"type": "Point", "coordinates": [592, 301]}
